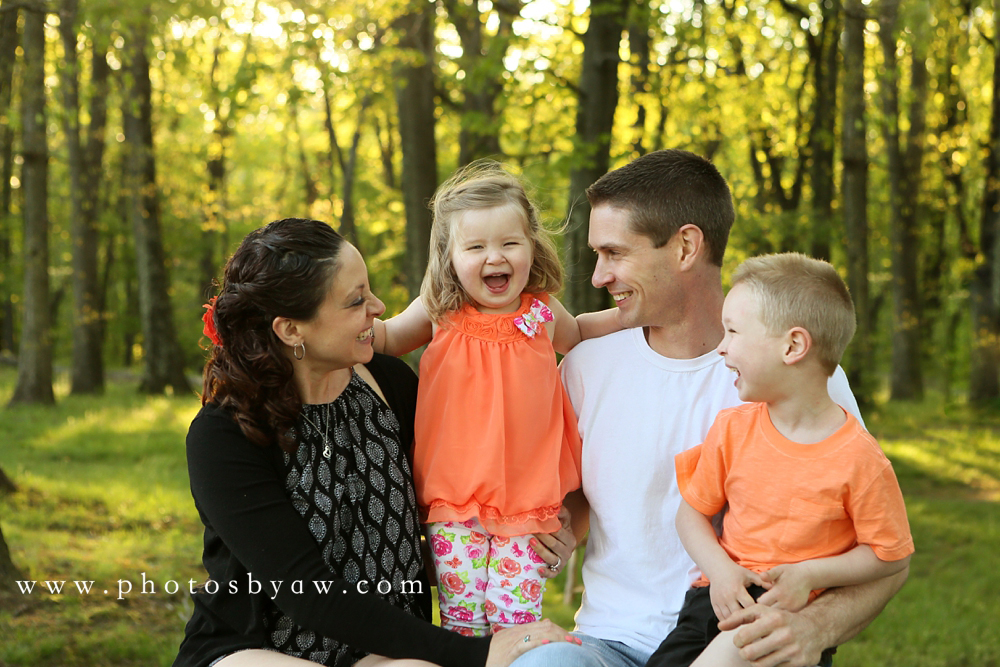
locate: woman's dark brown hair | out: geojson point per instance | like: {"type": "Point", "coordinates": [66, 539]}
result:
{"type": "Point", "coordinates": [284, 269]}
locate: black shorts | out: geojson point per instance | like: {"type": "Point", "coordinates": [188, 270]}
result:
{"type": "Point", "coordinates": [697, 626]}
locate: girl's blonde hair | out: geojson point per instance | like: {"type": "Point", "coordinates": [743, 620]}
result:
{"type": "Point", "coordinates": [482, 184]}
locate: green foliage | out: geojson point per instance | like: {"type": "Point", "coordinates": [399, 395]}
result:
{"type": "Point", "coordinates": [243, 83]}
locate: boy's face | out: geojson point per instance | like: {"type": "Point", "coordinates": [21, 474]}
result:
{"type": "Point", "coordinates": [750, 351]}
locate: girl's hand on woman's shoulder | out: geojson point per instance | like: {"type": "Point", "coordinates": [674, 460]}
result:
{"type": "Point", "coordinates": [510, 643]}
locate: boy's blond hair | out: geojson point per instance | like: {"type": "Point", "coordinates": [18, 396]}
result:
{"type": "Point", "coordinates": [794, 290]}
{"type": "Point", "coordinates": [482, 184]}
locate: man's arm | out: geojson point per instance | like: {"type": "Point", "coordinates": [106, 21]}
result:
{"type": "Point", "coordinates": [771, 637]}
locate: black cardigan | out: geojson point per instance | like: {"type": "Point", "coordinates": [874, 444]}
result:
{"type": "Point", "coordinates": [251, 526]}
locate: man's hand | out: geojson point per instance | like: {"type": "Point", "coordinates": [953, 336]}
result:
{"type": "Point", "coordinates": [788, 586]}
{"type": "Point", "coordinates": [555, 548]}
{"type": "Point", "coordinates": [772, 637]}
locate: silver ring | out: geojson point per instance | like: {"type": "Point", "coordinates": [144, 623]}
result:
{"type": "Point", "coordinates": [558, 563]}
{"type": "Point", "coordinates": [526, 639]}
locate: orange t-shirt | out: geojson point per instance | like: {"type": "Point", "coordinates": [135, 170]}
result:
{"type": "Point", "coordinates": [495, 435]}
{"type": "Point", "coordinates": [790, 502]}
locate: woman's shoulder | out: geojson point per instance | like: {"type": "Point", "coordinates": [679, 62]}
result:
{"type": "Point", "coordinates": [213, 424]}
{"type": "Point", "coordinates": [392, 369]}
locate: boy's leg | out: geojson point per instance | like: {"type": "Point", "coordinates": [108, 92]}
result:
{"type": "Point", "coordinates": [514, 592]}
{"type": "Point", "coordinates": [722, 652]}
{"type": "Point", "coordinates": [461, 575]}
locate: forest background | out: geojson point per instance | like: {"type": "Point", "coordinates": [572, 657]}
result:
{"type": "Point", "coordinates": [140, 141]}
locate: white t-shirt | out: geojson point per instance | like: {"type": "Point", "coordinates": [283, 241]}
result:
{"type": "Point", "coordinates": [636, 411]}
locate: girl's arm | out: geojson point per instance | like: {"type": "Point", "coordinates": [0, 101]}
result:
{"type": "Point", "coordinates": [404, 332]}
{"type": "Point", "coordinates": [571, 330]}
{"type": "Point", "coordinates": [790, 585]}
{"type": "Point", "coordinates": [728, 580]}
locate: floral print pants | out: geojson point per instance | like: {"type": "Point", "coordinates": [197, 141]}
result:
{"type": "Point", "coordinates": [485, 582]}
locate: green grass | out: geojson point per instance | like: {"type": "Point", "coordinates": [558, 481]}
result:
{"type": "Point", "coordinates": [104, 497]}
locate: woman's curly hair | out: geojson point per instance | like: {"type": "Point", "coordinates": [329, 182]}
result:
{"type": "Point", "coordinates": [283, 269]}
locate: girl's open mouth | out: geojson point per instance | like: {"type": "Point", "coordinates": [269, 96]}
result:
{"type": "Point", "coordinates": [497, 282]}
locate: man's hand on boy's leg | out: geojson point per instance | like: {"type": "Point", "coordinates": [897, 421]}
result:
{"type": "Point", "coordinates": [771, 637]}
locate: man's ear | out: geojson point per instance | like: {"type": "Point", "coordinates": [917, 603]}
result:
{"type": "Point", "coordinates": [691, 244]}
{"type": "Point", "coordinates": [798, 342]}
{"type": "Point", "coordinates": [286, 330]}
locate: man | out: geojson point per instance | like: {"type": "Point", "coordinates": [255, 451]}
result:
{"type": "Point", "coordinates": [660, 226]}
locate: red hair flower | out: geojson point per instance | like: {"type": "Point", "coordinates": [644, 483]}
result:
{"type": "Point", "coordinates": [209, 319]}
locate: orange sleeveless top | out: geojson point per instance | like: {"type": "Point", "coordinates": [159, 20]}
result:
{"type": "Point", "coordinates": [495, 435]}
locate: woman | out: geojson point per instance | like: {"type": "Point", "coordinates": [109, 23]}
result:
{"type": "Point", "coordinates": [299, 470]}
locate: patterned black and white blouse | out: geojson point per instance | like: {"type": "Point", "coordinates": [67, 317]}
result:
{"type": "Point", "coordinates": [348, 480]}
{"type": "Point", "coordinates": [346, 522]}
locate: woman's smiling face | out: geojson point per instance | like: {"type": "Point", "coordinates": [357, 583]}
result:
{"type": "Point", "coordinates": [340, 335]}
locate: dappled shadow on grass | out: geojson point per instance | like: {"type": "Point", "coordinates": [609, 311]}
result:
{"type": "Point", "coordinates": [87, 516]}
{"type": "Point", "coordinates": [82, 631]}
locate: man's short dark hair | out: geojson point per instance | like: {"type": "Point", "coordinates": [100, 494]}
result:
{"type": "Point", "coordinates": [665, 190]}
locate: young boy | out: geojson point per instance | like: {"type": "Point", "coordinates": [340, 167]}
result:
{"type": "Point", "coordinates": [813, 501]}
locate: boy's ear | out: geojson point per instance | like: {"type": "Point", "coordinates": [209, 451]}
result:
{"type": "Point", "coordinates": [798, 342]}
{"type": "Point", "coordinates": [286, 330]}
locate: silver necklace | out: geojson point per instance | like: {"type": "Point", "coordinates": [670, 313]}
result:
{"type": "Point", "coordinates": [327, 450]}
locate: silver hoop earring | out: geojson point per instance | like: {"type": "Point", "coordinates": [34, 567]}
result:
{"type": "Point", "coordinates": [295, 351]}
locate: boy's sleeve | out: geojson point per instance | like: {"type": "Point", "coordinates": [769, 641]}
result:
{"type": "Point", "coordinates": [701, 471]}
{"type": "Point", "coordinates": [879, 516]}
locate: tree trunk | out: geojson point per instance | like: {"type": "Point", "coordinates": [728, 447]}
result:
{"type": "Point", "coordinates": [164, 363]}
{"type": "Point", "coordinates": [906, 378]}
{"type": "Point", "coordinates": [212, 233]}
{"type": "Point", "coordinates": [482, 63]}
{"type": "Point", "coordinates": [415, 103]}
{"type": "Point", "coordinates": [349, 168]}
{"type": "Point", "coordinates": [822, 138]}
{"type": "Point", "coordinates": [639, 44]}
{"type": "Point", "coordinates": [9, 574]}
{"type": "Point", "coordinates": [34, 367]}
{"type": "Point", "coordinates": [84, 174]}
{"type": "Point", "coordinates": [984, 371]}
{"type": "Point", "coordinates": [595, 114]}
{"type": "Point", "coordinates": [854, 190]}
{"type": "Point", "coordinates": [8, 55]}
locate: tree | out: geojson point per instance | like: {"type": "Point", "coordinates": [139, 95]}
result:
{"type": "Point", "coordinates": [164, 364]}
{"type": "Point", "coordinates": [597, 99]}
{"type": "Point", "coordinates": [906, 376]}
{"type": "Point", "coordinates": [8, 56]}
{"type": "Point", "coordinates": [482, 63]}
{"type": "Point", "coordinates": [85, 161]}
{"type": "Point", "coordinates": [34, 367]}
{"type": "Point", "coordinates": [854, 191]}
{"type": "Point", "coordinates": [984, 373]}
{"type": "Point", "coordinates": [228, 101]}
{"type": "Point", "coordinates": [416, 109]}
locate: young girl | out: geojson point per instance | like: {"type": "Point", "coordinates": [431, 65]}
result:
{"type": "Point", "coordinates": [496, 446]}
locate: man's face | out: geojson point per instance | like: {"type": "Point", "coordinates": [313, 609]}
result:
{"type": "Point", "coordinates": [640, 278]}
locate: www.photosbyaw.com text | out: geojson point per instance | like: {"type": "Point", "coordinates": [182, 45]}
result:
{"type": "Point", "coordinates": [124, 588]}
